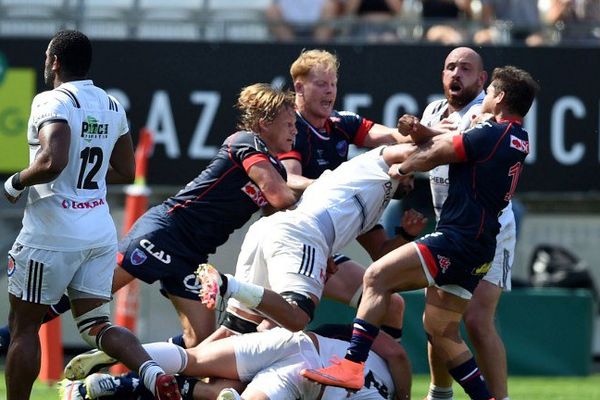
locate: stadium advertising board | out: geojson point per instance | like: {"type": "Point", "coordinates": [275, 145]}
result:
{"type": "Point", "coordinates": [185, 93]}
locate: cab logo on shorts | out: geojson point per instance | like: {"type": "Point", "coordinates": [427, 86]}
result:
{"type": "Point", "coordinates": [443, 262]}
{"type": "Point", "coordinates": [137, 257]}
{"type": "Point", "coordinates": [255, 194]}
{"type": "Point", "coordinates": [11, 266]}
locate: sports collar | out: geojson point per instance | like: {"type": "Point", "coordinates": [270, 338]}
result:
{"type": "Point", "coordinates": [311, 127]}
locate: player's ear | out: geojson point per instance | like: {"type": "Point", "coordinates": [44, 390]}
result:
{"type": "Point", "coordinates": [299, 87]}
{"type": "Point", "coordinates": [262, 125]}
{"type": "Point", "coordinates": [483, 77]}
{"type": "Point", "coordinates": [500, 96]}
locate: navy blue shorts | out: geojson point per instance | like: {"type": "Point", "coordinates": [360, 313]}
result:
{"type": "Point", "coordinates": [155, 250]}
{"type": "Point", "coordinates": [451, 263]}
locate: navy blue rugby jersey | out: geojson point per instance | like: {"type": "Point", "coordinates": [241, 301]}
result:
{"type": "Point", "coordinates": [223, 197]}
{"type": "Point", "coordinates": [318, 150]}
{"type": "Point", "coordinates": [481, 186]}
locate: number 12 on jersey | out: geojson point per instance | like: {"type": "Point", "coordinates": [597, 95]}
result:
{"type": "Point", "coordinates": [89, 155]}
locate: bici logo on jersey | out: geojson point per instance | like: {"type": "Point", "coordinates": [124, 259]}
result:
{"type": "Point", "coordinates": [92, 129]}
{"type": "Point", "coordinates": [255, 194]}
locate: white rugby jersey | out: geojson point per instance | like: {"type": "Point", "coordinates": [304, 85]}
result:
{"type": "Point", "coordinates": [70, 213]}
{"type": "Point", "coordinates": [354, 196]}
{"type": "Point", "coordinates": [438, 176]}
{"type": "Point", "coordinates": [433, 114]}
{"type": "Point", "coordinates": [378, 381]}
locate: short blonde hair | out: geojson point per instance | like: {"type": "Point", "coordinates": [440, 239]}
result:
{"type": "Point", "coordinates": [261, 102]}
{"type": "Point", "coordinates": [310, 59]}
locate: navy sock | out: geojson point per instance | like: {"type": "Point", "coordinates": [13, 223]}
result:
{"type": "Point", "coordinates": [363, 335]}
{"type": "Point", "coordinates": [4, 339]}
{"type": "Point", "coordinates": [469, 377]}
{"type": "Point", "coordinates": [178, 340]}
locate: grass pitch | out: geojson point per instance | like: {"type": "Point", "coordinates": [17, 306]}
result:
{"type": "Point", "coordinates": [521, 388]}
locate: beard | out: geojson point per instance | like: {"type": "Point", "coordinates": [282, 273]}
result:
{"type": "Point", "coordinates": [49, 76]}
{"type": "Point", "coordinates": [464, 97]}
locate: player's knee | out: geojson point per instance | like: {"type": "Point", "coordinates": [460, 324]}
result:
{"type": "Point", "coordinates": [94, 324]}
{"type": "Point", "coordinates": [304, 310]}
{"type": "Point", "coordinates": [375, 279]}
{"type": "Point", "coordinates": [437, 329]}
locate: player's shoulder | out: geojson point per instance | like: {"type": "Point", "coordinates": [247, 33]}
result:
{"type": "Point", "coordinates": [434, 107]}
{"type": "Point", "coordinates": [49, 96]}
{"type": "Point", "coordinates": [343, 116]}
{"type": "Point", "coordinates": [244, 138]}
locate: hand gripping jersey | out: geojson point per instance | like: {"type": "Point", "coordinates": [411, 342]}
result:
{"type": "Point", "coordinates": [70, 213]}
{"type": "Point", "coordinates": [481, 186]}
{"type": "Point", "coordinates": [433, 114]}
{"type": "Point", "coordinates": [438, 176]}
{"type": "Point", "coordinates": [321, 149]}
{"type": "Point", "coordinates": [354, 195]}
{"type": "Point", "coordinates": [222, 198]}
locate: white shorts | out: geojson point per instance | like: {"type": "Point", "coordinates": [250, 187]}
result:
{"type": "Point", "coordinates": [272, 360]}
{"type": "Point", "coordinates": [283, 254]}
{"type": "Point", "coordinates": [501, 270]}
{"type": "Point", "coordinates": [42, 276]}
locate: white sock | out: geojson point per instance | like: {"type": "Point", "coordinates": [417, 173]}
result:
{"type": "Point", "coordinates": [440, 393]}
{"type": "Point", "coordinates": [246, 293]}
{"type": "Point", "coordinates": [148, 372]}
{"type": "Point", "coordinates": [170, 357]}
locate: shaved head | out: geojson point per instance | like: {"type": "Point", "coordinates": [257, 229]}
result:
{"type": "Point", "coordinates": [463, 77]}
{"type": "Point", "coordinates": [465, 54]}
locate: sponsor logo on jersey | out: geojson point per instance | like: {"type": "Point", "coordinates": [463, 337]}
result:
{"type": "Point", "coordinates": [255, 194]}
{"type": "Point", "coordinates": [321, 160]}
{"type": "Point", "coordinates": [137, 257]}
{"type": "Point", "coordinates": [92, 129]}
{"type": "Point", "coordinates": [11, 266]}
{"type": "Point", "coordinates": [84, 205]}
{"type": "Point", "coordinates": [342, 148]}
{"type": "Point", "coordinates": [192, 284]}
{"type": "Point", "coordinates": [519, 144]}
{"type": "Point", "coordinates": [443, 262]}
{"type": "Point", "coordinates": [160, 255]}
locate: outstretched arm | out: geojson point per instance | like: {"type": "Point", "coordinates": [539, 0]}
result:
{"type": "Point", "coordinates": [437, 151]}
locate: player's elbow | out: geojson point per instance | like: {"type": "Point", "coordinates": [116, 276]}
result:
{"type": "Point", "coordinates": [51, 166]}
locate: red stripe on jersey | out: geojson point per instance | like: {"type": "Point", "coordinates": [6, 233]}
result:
{"type": "Point", "coordinates": [459, 147]}
{"type": "Point", "coordinates": [498, 143]}
{"type": "Point", "coordinates": [363, 130]}
{"type": "Point", "coordinates": [515, 120]}
{"type": "Point", "coordinates": [208, 189]}
{"type": "Point", "coordinates": [429, 259]}
{"type": "Point", "coordinates": [253, 159]}
{"type": "Point", "coordinates": [290, 154]}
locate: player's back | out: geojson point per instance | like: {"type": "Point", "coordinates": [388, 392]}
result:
{"type": "Point", "coordinates": [70, 212]}
{"type": "Point", "coordinates": [481, 188]}
{"type": "Point", "coordinates": [354, 195]}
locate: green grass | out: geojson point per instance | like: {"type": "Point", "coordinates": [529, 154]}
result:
{"type": "Point", "coordinates": [521, 388]}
